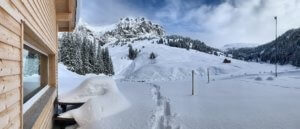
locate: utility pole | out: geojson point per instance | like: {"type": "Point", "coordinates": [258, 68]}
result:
{"type": "Point", "coordinates": [193, 85]}
{"type": "Point", "coordinates": [276, 49]}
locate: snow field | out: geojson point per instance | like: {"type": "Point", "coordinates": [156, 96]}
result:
{"type": "Point", "coordinates": [239, 103]}
{"type": "Point", "coordinates": [229, 102]}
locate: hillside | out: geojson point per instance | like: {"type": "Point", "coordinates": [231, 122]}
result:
{"type": "Point", "coordinates": [284, 50]}
{"type": "Point", "coordinates": [173, 63]}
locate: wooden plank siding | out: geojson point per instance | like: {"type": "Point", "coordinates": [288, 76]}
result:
{"type": "Point", "coordinates": [39, 16]}
{"type": "Point", "coordinates": [10, 67]}
{"type": "Point", "coordinates": [21, 76]}
{"type": "Point", "coordinates": [33, 21]}
{"type": "Point", "coordinates": [10, 119]}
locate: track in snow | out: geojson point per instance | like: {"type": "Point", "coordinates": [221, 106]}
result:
{"type": "Point", "coordinates": [162, 117]}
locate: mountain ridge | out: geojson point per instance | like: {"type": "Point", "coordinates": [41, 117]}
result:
{"type": "Point", "coordinates": [131, 29]}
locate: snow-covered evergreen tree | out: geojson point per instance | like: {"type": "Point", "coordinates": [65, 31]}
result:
{"type": "Point", "coordinates": [77, 59]}
{"type": "Point", "coordinates": [160, 41]}
{"type": "Point", "coordinates": [86, 66]}
{"type": "Point", "coordinates": [132, 54]}
{"type": "Point", "coordinates": [74, 63]}
{"type": "Point", "coordinates": [99, 66]}
{"type": "Point", "coordinates": [92, 56]}
{"type": "Point", "coordinates": [64, 49]}
{"type": "Point", "coordinates": [111, 67]}
{"type": "Point", "coordinates": [108, 65]}
{"type": "Point", "coordinates": [152, 56]}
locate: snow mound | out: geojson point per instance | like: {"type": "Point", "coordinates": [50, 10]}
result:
{"type": "Point", "coordinates": [270, 78]}
{"type": "Point", "coordinates": [89, 88]}
{"type": "Point", "coordinates": [102, 97]}
{"type": "Point", "coordinates": [258, 79]}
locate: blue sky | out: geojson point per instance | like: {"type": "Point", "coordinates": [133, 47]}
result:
{"type": "Point", "coordinates": [216, 22]}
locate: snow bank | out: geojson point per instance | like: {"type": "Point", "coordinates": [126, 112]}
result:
{"type": "Point", "coordinates": [258, 79]}
{"type": "Point", "coordinates": [101, 96]}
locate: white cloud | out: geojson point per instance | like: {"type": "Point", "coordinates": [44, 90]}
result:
{"type": "Point", "coordinates": [103, 12]}
{"type": "Point", "coordinates": [234, 21]}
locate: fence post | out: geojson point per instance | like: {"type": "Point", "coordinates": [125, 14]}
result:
{"type": "Point", "coordinates": [193, 88]}
{"type": "Point", "coordinates": [207, 75]}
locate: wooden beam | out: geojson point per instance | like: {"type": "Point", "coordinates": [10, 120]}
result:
{"type": "Point", "coordinates": [64, 29]}
{"type": "Point", "coordinates": [71, 10]}
{"type": "Point", "coordinates": [64, 17]}
{"type": "Point", "coordinates": [66, 14]}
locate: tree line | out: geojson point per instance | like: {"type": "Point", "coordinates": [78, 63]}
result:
{"type": "Point", "coordinates": [187, 43]}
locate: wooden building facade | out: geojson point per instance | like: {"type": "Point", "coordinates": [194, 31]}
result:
{"type": "Point", "coordinates": [28, 59]}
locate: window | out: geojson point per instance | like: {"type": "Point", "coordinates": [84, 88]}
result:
{"type": "Point", "coordinates": [35, 72]}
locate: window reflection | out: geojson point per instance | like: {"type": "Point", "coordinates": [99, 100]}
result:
{"type": "Point", "coordinates": [31, 72]}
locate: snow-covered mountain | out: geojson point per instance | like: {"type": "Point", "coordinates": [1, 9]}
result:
{"type": "Point", "coordinates": [127, 28]}
{"type": "Point", "coordinates": [238, 45]}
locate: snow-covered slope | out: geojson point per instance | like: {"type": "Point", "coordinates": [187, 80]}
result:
{"type": "Point", "coordinates": [174, 63]}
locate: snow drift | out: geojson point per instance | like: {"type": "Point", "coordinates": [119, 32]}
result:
{"type": "Point", "coordinates": [101, 96]}
{"type": "Point", "coordinates": [89, 88]}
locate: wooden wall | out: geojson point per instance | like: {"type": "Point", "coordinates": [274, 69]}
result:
{"type": "Point", "coordinates": [36, 18]}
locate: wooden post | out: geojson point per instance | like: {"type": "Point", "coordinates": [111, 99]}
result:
{"type": "Point", "coordinates": [21, 74]}
{"type": "Point", "coordinates": [207, 75]}
{"type": "Point", "coordinates": [276, 49]}
{"type": "Point", "coordinates": [193, 82]}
